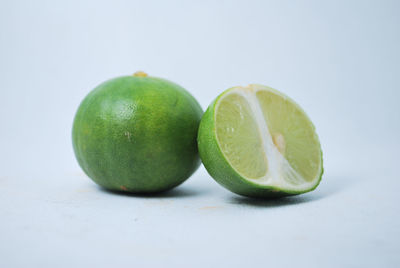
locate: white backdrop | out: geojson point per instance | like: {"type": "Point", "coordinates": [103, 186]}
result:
{"type": "Point", "coordinates": [339, 60]}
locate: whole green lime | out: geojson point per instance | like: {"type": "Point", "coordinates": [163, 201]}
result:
{"type": "Point", "coordinates": [137, 134]}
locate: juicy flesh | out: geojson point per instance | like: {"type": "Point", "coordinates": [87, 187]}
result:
{"type": "Point", "coordinates": [235, 120]}
{"type": "Point", "coordinates": [267, 138]}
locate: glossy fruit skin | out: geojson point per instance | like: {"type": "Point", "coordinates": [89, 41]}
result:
{"type": "Point", "coordinates": [221, 171]}
{"type": "Point", "coordinates": [137, 134]}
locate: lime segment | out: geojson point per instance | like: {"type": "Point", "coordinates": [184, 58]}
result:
{"type": "Point", "coordinates": [292, 129]}
{"type": "Point", "coordinates": [239, 137]}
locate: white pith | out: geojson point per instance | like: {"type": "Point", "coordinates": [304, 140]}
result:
{"type": "Point", "coordinates": [280, 173]}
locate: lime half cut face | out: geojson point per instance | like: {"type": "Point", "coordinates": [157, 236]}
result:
{"type": "Point", "coordinates": [267, 139]}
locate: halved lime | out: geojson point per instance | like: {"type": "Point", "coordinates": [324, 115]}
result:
{"type": "Point", "coordinates": [257, 142]}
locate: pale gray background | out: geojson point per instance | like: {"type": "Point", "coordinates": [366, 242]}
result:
{"type": "Point", "coordinates": [338, 59]}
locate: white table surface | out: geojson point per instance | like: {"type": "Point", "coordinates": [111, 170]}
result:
{"type": "Point", "coordinates": [62, 219]}
{"type": "Point", "coordinates": [340, 61]}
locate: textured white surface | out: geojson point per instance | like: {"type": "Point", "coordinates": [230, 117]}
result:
{"type": "Point", "coordinates": [338, 60]}
{"type": "Point", "coordinates": [64, 220]}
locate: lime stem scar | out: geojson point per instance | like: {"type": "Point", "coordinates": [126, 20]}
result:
{"type": "Point", "coordinates": [140, 74]}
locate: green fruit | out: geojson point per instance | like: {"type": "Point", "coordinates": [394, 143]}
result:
{"type": "Point", "coordinates": [137, 134]}
{"type": "Point", "coordinates": [257, 142]}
